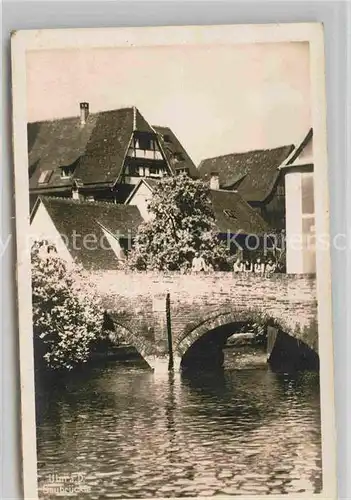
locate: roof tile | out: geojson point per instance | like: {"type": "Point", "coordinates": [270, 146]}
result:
{"type": "Point", "coordinates": [253, 173]}
{"type": "Point", "coordinates": [96, 150]}
{"type": "Point", "coordinates": [176, 155]}
{"type": "Point", "coordinates": [234, 215]}
{"type": "Point", "coordinates": [77, 220]}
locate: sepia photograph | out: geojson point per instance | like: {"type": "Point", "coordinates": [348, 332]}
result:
{"type": "Point", "coordinates": [174, 285]}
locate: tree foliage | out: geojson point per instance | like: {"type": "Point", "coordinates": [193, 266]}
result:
{"type": "Point", "coordinates": [67, 315]}
{"type": "Point", "coordinates": [182, 223]}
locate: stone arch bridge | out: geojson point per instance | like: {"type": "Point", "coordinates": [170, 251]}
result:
{"type": "Point", "coordinates": [198, 304]}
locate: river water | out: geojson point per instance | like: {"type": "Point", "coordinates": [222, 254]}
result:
{"type": "Point", "coordinates": [124, 432]}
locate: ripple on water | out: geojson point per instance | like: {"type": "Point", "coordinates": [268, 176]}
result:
{"type": "Point", "coordinates": [134, 436]}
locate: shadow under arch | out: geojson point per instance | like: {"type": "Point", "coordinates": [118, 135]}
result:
{"type": "Point", "coordinates": [220, 319]}
{"type": "Point", "coordinates": [141, 345]}
{"type": "Point", "coordinates": [201, 347]}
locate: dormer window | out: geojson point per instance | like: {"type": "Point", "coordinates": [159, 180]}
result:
{"type": "Point", "coordinates": [45, 176]}
{"type": "Point", "coordinates": [66, 172]}
{"type": "Point", "coordinates": [177, 157]}
{"type": "Point", "coordinates": [144, 142]}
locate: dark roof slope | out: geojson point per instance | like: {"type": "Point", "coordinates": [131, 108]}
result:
{"type": "Point", "coordinates": [253, 173]}
{"type": "Point", "coordinates": [97, 150]}
{"type": "Point", "coordinates": [108, 145]}
{"type": "Point", "coordinates": [32, 200]}
{"type": "Point", "coordinates": [54, 144]}
{"type": "Point", "coordinates": [73, 217]}
{"type": "Point", "coordinates": [234, 215]}
{"type": "Point", "coordinates": [176, 155]}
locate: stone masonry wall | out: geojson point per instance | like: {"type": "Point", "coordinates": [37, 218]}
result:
{"type": "Point", "coordinates": [199, 303]}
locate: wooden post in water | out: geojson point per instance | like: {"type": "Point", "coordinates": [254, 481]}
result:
{"type": "Point", "coordinates": [169, 333]}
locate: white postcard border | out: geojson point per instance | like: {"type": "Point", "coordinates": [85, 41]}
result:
{"type": "Point", "coordinates": [23, 41]}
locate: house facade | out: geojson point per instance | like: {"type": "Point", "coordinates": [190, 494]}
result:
{"type": "Point", "coordinates": [256, 177]}
{"type": "Point", "coordinates": [235, 219]}
{"type": "Point", "coordinates": [96, 235]}
{"type": "Point", "coordinates": [298, 172]}
{"type": "Point", "coordinates": [278, 183]}
{"type": "Point", "coordinates": [101, 156]}
{"type": "Point", "coordinates": [116, 157]}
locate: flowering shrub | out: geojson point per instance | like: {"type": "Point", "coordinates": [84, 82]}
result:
{"type": "Point", "coordinates": [183, 223]}
{"type": "Point", "coordinates": [67, 315]}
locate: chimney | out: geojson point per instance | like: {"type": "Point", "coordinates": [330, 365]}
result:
{"type": "Point", "coordinates": [214, 182]}
{"type": "Point", "coordinates": [134, 118]}
{"type": "Point", "coordinates": [76, 194]}
{"type": "Point", "coordinates": [84, 112]}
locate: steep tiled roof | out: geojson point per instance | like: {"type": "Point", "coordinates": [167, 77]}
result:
{"type": "Point", "coordinates": [253, 173]}
{"type": "Point", "coordinates": [54, 144]}
{"type": "Point", "coordinates": [73, 217]}
{"type": "Point", "coordinates": [176, 155]}
{"type": "Point", "coordinates": [97, 150]}
{"type": "Point", "coordinates": [234, 215]}
{"type": "Point", "coordinates": [108, 144]}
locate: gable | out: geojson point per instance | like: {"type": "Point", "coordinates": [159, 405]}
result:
{"type": "Point", "coordinates": [140, 197]}
{"type": "Point", "coordinates": [114, 243]}
{"type": "Point", "coordinates": [176, 156]}
{"type": "Point", "coordinates": [107, 147]}
{"type": "Point", "coordinates": [42, 227]}
{"type": "Point", "coordinates": [302, 154]}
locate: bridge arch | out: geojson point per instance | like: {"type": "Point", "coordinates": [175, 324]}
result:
{"type": "Point", "coordinates": [222, 319]}
{"type": "Point", "coordinates": [202, 345]}
{"type": "Point", "coordinates": [143, 346]}
{"type": "Point", "coordinates": [200, 303]}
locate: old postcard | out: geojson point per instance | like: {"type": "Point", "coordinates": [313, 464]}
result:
{"type": "Point", "coordinates": [174, 286]}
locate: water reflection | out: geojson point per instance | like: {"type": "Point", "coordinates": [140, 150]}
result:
{"type": "Point", "coordinates": [133, 434]}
